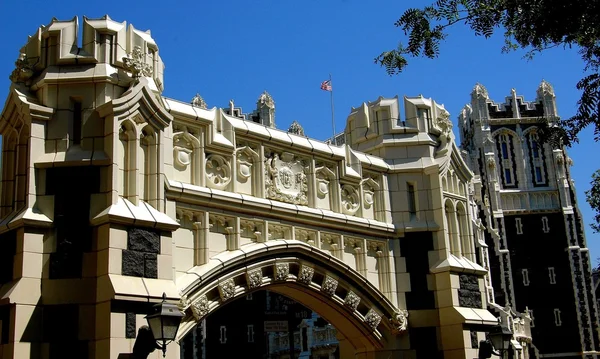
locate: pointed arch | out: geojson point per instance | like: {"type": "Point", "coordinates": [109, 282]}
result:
{"type": "Point", "coordinates": [149, 145]}
{"type": "Point", "coordinates": [9, 160]}
{"type": "Point", "coordinates": [452, 228]}
{"type": "Point", "coordinates": [362, 313]}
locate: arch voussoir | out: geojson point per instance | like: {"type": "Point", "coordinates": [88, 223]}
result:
{"type": "Point", "coordinates": [291, 267]}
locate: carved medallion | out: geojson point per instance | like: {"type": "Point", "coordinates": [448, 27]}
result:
{"type": "Point", "coordinates": [282, 270]}
{"type": "Point", "coordinates": [329, 285]}
{"type": "Point", "coordinates": [218, 171]}
{"type": "Point", "coordinates": [200, 307]}
{"type": "Point", "coordinates": [285, 179]}
{"type": "Point", "coordinates": [254, 278]}
{"type": "Point", "coordinates": [352, 300]}
{"type": "Point", "coordinates": [306, 275]}
{"type": "Point", "coordinates": [350, 200]}
{"type": "Point", "coordinates": [372, 319]}
{"type": "Point", "coordinates": [399, 321]}
{"type": "Point", "coordinates": [227, 289]}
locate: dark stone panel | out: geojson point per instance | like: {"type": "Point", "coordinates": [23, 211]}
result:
{"type": "Point", "coordinates": [8, 243]}
{"type": "Point", "coordinates": [133, 263]}
{"type": "Point", "coordinates": [469, 295]}
{"type": "Point", "coordinates": [65, 264]}
{"type": "Point", "coordinates": [425, 342]}
{"type": "Point", "coordinates": [143, 240]}
{"type": "Point", "coordinates": [130, 325]}
{"type": "Point", "coordinates": [150, 265]}
{"type": "Point", "coordinates": [415, 248]}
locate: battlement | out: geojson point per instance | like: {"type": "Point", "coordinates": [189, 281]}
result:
{"type": "Point", "coordinates": [126, 52]}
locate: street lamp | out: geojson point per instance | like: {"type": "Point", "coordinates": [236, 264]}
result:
{"type": "Point", "coordinates": [501, 338]}
{"type": "Point", "coordinates": [163, 323]}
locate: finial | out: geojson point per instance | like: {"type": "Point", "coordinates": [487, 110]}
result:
{"type": "Point", "coordinates": [545, 88]}
{"type": "Point", "coordinates": [198, 101]}
{"type": "Point", "coordinates": [479, 91]}
{"type": "Point", "coordinates": [296, 129]}
{"type": "Point", "coordinates": [135, 63]}
{"type": "Point", "coordinates": [266, 99]}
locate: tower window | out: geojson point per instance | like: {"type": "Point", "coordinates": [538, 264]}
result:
{"type": "Point", "coordinates": [536, 159]}
{"type": "Point", "coordinates": [525, 274]}
{"type": "Point", "coordinates": [250, 333]}
{"type": "Point", "coordinates": [545, 226]}
{"type": "Point", "coordinates": [223, 332]}
{"type": "Point", "coordinates": [412, 200]}
{"type": "Point", "coordinates": [519, 225]}
{"type": "Point", "coordinates": [557, 318]}
{"type": "Point", "coordinates": [552, 275]}
{"type": "Point", "coordinates": [504, 143]}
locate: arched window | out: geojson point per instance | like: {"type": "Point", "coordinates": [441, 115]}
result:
{"type": "Point", "coordinates": [452, 229]}
{"type": "Point", "coordinates": [536, 160]}
{"type": "Point", "coordinates": [505, 148]}
{"type": "Point", "coordinates": [22, 168]}
{"type": "Point", "coordinates": [149, 146]}
{"type": "Point", "coordinates": [9, 158]}
{"type": "Point", "coordinates": [128, 141]}
{"type": "Point", "coordinates": [463, 229]}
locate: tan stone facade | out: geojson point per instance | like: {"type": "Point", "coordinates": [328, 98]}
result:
{"type": "Point", "coordinates": [113, 195]}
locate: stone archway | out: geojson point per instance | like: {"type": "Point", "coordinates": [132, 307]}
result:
{"type": "Point", "coordinates": [362, 314]}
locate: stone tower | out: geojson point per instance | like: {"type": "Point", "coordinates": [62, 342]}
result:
{"type": "Point", "coordinates": [538, 256]}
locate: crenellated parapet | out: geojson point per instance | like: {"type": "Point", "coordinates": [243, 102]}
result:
{"type": "Point", "coordinates": [109, 50]}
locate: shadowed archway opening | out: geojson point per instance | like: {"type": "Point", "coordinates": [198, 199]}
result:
{"type": "Point", "coordinates": [262, 324]}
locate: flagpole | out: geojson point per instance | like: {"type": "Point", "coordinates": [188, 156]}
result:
{"type": "Point", "coordinates": [332, 113]}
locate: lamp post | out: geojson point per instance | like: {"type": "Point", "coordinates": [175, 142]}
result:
{"type": "Point", "coordinates": [501, 338]}
{"type": "Point", "coordinates": [163, 323]}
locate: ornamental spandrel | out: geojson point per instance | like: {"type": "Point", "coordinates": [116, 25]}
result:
{"type": "Point", "coordinates": [285, 178]}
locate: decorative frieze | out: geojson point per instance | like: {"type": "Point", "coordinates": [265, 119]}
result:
{"type": "Point", "coordinates": [282, 271]}
{"type": "Point", "coordinates": [218, 171]}
{"type": "Point", "coordinates": [306, 274]}
{"type": "Point", "coordinates": [329, 285]}
{"type": "Point", "coordinates": [254, 278]}
{"type": "Point", "coordinates": [200, 307]}
{"type": "Point", "coordinates": [372, 319]}
{"type": "Point", "coordinates": [227, 289]}
{"type": "Point", "coordinates": [352, 300]}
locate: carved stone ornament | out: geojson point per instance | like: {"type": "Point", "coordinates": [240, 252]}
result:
{"type": "Point", "coordinates": [372, 319]}
{"type": "Point", "coordinates": [399, 321]}
{"type": "Point", "coordinates": [285, 179]}
{"type": "Point", "coordinates": [296, 129]}
{"type": "Point", "coordinates": [23, 71]}
{"type": "Point", "coordinates": [184, 303]}
{"type": "Point", "coordinates": [282, 271]}
{"type": "Point", "coordinates": [443, 121]}
{"type": "Point", "coordinates": [306, 275]}
{"type": "Point", "coordinates": [324, 176]}
{"type": "Point", "coordinates": [254, 278]}
{"type": "Point", "coordinates": [136, 63]}
{"type": "Point", "coordinates": [198, 101]}
{"type": "Point", "coordinates": [352, 300]}
{"type": "Point", "coordinates": [350, 200]}
{"type": "Point", "coordinates": [329, 285]}
{"type": "Point", "coordinates": [218, 171]}
{"type": "Point", "coordinates": [227, 289]}
{"type": "Point", "coordinates": [182, 156]}
{"type": "Point", "coordinates": [491, 162]}
{"type": "Point", "coordinates": [200, 307]}
{"type": "Point", "coordinates": [245, 157]}
{"type": "Point", "coordinates": [560, 159]}
{"type": "Point", "coordinates": [479, 91]}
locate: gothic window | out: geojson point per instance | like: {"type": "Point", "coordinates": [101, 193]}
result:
{"type": "Point", "coordinates": [519, 225]}
{"type": "Point", "coordinates": [128, 141]}
{"type": "Point", "coordinates": [557, 318]}
{"type": "Point", "coordinates": [525, 274]}
{"type": "Point", "coordinates": [552, 275]}
{"type": "Point", "coordinates": [536, 160]}
{"type": "Point", "coordinates": [149, 146]}
{"type": "Point", "coordinates": [505, 153]}
{"type": "Point", "coordinates": [452, 229]}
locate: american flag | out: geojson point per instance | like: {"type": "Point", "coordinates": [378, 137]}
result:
{"type": "Point", "coordinates": [326, 85]}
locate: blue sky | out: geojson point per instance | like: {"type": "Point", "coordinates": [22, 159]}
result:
{"type": "Point", "coordinates": [236, 49]}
